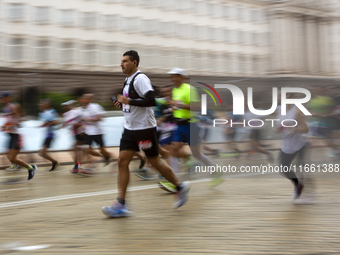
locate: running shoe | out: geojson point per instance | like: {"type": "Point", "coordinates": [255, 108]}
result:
{"type": "Point", "coordinates": [116, 210]}
{"type": "Point", "coordinates": [86, 171]}
{"type": "Point", "coordinates": [74, 170]}
{"type": "Point", "coordinates": [182, 195]}
{"type": "Point", "coordinates": [161, 177]}
{"type": "Point", "coordinates": [107, 160]}
{"type": "Point", "coordinates": [297, 191]}
{"type": "Point", "coordinates": [167, 186]}
{"type": "Point", "coordinates": [13, 167]}
{"type": "Point", "coordinates": [55, 164]}
{"type": "Point", "coordinates": [32, 172]}
{"type": "Point", "coordinates": [142, 163]}
{"type": "Point", "coordinates": [144, 174]}
{"type": "Point", "coordinates": [216, 180]}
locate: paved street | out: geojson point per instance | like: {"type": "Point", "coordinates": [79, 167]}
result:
{"type": "Point", "coordinates": [244, 215]}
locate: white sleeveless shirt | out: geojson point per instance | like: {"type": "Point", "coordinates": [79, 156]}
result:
{"type": "Point", "coordinates": [292, 142]}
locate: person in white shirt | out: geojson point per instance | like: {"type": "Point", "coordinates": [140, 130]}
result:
{"type": "Point", "coordinates": [12, 113]}
{"type": "Point", "coordinates": [49, 117]}
{"type": "Point", "coordinates": [91, 116]}
{"type": "Point", "coordinates": [73, 117]}
{"type": "Point", "coordinates": [137, 101]}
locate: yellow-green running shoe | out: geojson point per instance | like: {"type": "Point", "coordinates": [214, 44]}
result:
{"type": "Point", "coordinates": [216, 180]}
{"type": "Point", "coordinates": [167, 186]}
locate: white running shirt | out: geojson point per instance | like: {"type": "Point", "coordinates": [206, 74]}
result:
{"type": "Point", "coordinates": [137, 117]}
{"type": "Point", "coordinates": [91, 111]}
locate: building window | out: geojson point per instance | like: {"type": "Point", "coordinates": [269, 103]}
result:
{"type": "Point", "coordinates": [41, 15]}
{"type": "Point", "coordinates": [184, 5]}
{"type": "Point", "coordinates": [16, 51]}
{"type": "Point", "coordinates": [226, 64]}
{"type": "Point", "coordinates": [186, 60]}
{"type": "Point", "coordinates": [89, 20]}
{"type": "Point", "coordinates": [110, 22]}
{"type": "Point", "coordinates": [209, 9]}
{"type": "Point", "coordinates": [226, 11]}
{"type": "Point", "coordinates": [240, 14]}
{"type": "Point", "coordinates": [168, 4]}
{"type": "Point", "coordinates": [184, 31]}
{"type": "Point", "coordinates": [89, 54]}
{"type": "Point", "coordinates": [171, 59]}
{"type": "Point", "coordinates": [241, 37]}
{"type": "Point", "coordinates": [111, 56]}
{"type": "Point", "coordinates": [168, 29]}
{"type": "Point", "coordinates": [67, 53]}
{"type": "Point", "coordinates": [149, 2]}
{"type": "Point", "coordinates": [217, 34]}
{"type": "Point", "coordinates": [226, 35]}
{"type": "Point", "coordinates": [67, 17]}
{"type": "Point", "coordinates": [130, 24]}
{"type": "Point", "coordinates": [150, 26]}
{"type": "Point", "coordinates": [233, 12]}
{"type": "Point", "coordinates": [200, 8]}
{"type": "Point", "coordinates": [16, 12]}
{"type": "Point", "coordinates": [202, 33]}
{"type": "Point", "coordinates": [42, 52]}
{"type": "Point", "coordinates": [150, 58]}
{"type": "Point", "coordinates": [131, 2]}
{"type": "Point", "coordinates": [218, 10]}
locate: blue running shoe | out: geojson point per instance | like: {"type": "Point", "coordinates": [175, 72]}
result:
{"type": "Point", "coordinates": [182, 196]}
{"type": "Point", "coordinates": [116, 211]}
{"type": "Point", "coordinates": [161, 177]}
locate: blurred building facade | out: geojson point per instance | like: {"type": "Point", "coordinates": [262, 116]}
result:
{"type": "Point", "coordinates": [209, 38]}
{"type": "Point", "coordinates": [305, 37]}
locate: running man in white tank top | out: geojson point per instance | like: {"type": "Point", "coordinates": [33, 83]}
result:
{"type": "Point", "coordinates": [294, 142]}
{"type": "Point", "coordinates": [12, 114]}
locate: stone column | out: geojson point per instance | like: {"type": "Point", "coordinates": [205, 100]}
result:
{"type": "Point", "coordinates": [324, 46]}
{"type": "Point", "coordinates": [315, 47]}
{"type": "Point", "coordinates": [288, 43]}
{"type": "Point", "coordinates": [333, 45]}
{"type": "Point", "coordinates": [274, 42]}
{"type": "Point", "coordinates": [310, 45]}
{"type": "Point", "coordinates": [298, 44]}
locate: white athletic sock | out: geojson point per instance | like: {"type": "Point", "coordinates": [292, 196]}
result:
{"type": "Point", "coordinates": [174, 164]}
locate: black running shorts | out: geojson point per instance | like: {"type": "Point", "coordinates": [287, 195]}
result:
{"type": "Point", "coordinates": [48, 141]}
{"type": "Point", "coordinates": [98, 139]}
{"type": "Point", "coordinates": [14, 142]}
{"type": "Point", "coordinates": [135, 140]}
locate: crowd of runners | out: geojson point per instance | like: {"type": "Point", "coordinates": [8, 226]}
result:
{"type": "Point", "coordinates": [157, 129]}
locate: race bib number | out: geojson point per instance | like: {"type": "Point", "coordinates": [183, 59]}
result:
{"type": "Point", "coordinates": [126, 108]}
{"type": "Point", "coordinates": [145, 144]}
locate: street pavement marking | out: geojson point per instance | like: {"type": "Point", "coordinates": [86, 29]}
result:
{"type": "Point", "coordinates": [11, 189]}
{"type": "Point", "coordinates": [99, 193]}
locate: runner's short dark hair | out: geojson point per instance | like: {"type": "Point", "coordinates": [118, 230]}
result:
{"type": "Point", "coordinates": [133, 55]}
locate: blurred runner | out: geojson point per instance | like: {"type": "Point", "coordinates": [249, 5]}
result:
{"type": "Point", "coordinates": [49, 118]}
{"type": "Point", "coordinates": [230, 132]}
{"type": "Point", "coordinates": [73, 118]}
{"type": "Point", "coordinates": [256, 133]}
{"type": "Point", "coordinates": [321, 107]}
{"type": "Point", "coordinates": [294, 143]}
{"type": "Point", "coordinates": [204, 124]}
{"type": "Point", "coordinates": [12, 113]}
{"type": "Point", "coordinates": [139, 133]}
{"type": "Point", "coordinates": [91, 115]}
{"type": "Point", "coordinates": [185, 101]}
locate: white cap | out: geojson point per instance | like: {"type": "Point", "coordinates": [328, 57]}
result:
{"type": "Point", "coordinates": [69, 102]}
{"type": "Point", "coordinates": [179, 71]}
